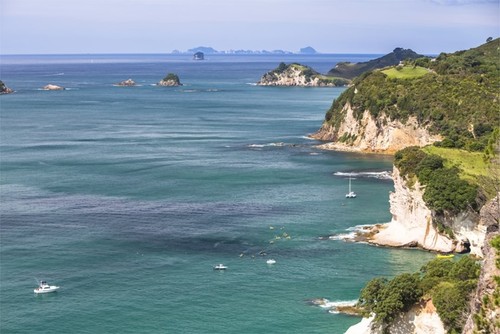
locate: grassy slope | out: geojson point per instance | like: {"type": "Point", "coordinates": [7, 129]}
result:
{"type": "Point", "coordinates": [405, 72]}
{"type": "Point", "coordinates": [471, 164]}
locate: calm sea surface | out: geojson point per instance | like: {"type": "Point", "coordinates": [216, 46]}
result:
{"type": "Point", "coordinates": [127, 196]}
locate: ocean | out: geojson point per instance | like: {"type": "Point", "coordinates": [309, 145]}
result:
{"type": "Point", "coordinates": [126, 197]}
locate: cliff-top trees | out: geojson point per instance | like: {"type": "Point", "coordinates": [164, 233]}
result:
{"type": "Point", "coordinates": [449, 284]}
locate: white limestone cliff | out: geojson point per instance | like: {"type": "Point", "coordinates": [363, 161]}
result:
{"type": "Point", "coordinates": [413, 224]}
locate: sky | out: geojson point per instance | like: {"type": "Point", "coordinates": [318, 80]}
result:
{"type": "Point", "coordinates": [161, 26]}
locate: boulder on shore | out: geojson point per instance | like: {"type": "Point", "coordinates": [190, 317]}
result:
{"type": "Point", "coordinates": [126, 83]}
{"type": "Point", "coordinates": [52, 87]}
{"type": "Point", "coordinates": [4, 89]}
{"type": "Point", "coordinates": [171, 80]}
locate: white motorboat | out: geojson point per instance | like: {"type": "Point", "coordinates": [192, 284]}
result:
{"type": "Point", "coordinates": [220, 266]}
{"type": "Point", "coordinates": [271, 261]}
{"type": "Point", "coordinates": [350, 194]}
{"type": "Point", "coordinates": [43, 287]}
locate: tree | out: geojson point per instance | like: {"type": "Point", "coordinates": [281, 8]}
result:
{"type": "Point", "coordinates": [371, 294]}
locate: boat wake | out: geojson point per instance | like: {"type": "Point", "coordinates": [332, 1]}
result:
{"type": "Point", "coordinates": [384, 175]}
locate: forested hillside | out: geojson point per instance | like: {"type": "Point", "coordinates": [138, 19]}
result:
{"type": "Point", "coordinates": [455, 95]}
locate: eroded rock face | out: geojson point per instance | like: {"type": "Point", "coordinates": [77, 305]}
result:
{"type": "Point", "coordinates": [490, 214]}
{"type": "Point", "coordinates": [413, 224]}
{"type": "Point", "coordinates": [370, 135]}
{"type": "Point", "coordinates": [52, 87]}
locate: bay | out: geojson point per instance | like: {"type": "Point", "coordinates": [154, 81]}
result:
{"type": "Point", "coordinates": [127, 196]}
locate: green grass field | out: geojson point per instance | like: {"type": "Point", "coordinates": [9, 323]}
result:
{"type": "Point", "coordinates": [471, 164]}
{"type": "Point", "coordinates": [405, 72]}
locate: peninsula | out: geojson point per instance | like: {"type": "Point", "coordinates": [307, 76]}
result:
{"type": "Point", "coordinates": [299, 75]}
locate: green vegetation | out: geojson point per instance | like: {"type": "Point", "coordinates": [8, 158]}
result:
{"type": "Point", "coordinates": [172, 77]}
{"type": "Point", "coordinates": [471, 165]}
{"type": "Point", "coordinates": [449, 284]}
{"type": "Point", "coordinates": [352, 70]}
{"type": "Point", "coordinates": [309, 73]}
{"type": "Point", "coordinates": [459, 99]}
{"type": "Point", "coordinates": [444, 190]}
{"type": "Point", "coordinates": [405, 72]}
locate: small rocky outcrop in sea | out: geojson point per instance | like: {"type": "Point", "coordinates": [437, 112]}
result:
{"type": "Point", "coordinates": [52, 87]}
{"type": "Point", "coordinates": [299, 75]}
{"type": "Point", "coordinates": [171, 80]}
{"type": "Point", "coordinates": [126, 83]}
{"type": "Point", "coordinates": [199, 56]}
{"type": "Point", "coordinates": [4, 89]}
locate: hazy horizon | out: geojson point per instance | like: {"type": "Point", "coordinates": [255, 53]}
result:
{"type": "Point", "coordinates": [329, 26]}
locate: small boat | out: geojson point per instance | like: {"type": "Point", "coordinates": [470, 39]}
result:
{"type": "Point", "coordinates": [271, 261]}
{"type": "Point", "coordinates": [43, 287]}
{"type": "Point", "coordinates": [350, 194]}
{"type": "Point", "coordinates": [220, 266]}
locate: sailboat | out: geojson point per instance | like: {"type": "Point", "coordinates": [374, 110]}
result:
{"type": "Point", "coordinates": [350, 194]}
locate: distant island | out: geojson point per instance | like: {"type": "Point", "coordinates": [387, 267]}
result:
{"type": "Point", "coordinates": [207, 50]}
{"type": "Point", "coordinates": [308, 50]}
{"type": "Point", "coordinates": [199, 56]}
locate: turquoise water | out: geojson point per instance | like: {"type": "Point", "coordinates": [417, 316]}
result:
{"type": "Point", "coordinates": [126, 198]}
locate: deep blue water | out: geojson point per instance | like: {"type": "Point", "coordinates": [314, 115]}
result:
{"type": "Point", "coordinates": [127, 196]}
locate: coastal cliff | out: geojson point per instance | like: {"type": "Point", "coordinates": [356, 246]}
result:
{"type": "Point", "coordinates": [446, 195]}
{"type": "Point", "coordinates": [298, 75]}
{"type": "Point", "coordinates": [373, 135]}
{"type": "Point", "coordinates": [452, 100]}
{"type": "Point", "coordinates": [472, 311]}
{"type": "Point", "coordinates": [413, 224]}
